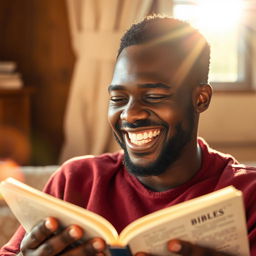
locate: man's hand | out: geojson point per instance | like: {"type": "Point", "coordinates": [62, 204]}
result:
{"type": "Point", "coordinates": [46, 239]}
{"type": "Point", "coordinates": [188, 249]}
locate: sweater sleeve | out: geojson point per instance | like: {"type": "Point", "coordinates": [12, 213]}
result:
{"type": "Point", "coordinates": [13, 246]}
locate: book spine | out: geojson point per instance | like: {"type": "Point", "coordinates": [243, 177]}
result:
{"type": "Point", "coordinates": [120, 251]}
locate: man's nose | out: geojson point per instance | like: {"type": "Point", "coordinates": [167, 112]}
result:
{"type": "Point", "coordinates": [133, 112]}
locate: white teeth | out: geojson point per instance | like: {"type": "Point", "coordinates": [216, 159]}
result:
{"type": "Point", "coordinates": [143, 137]}
{"type": "Point", "coordinates": [139, 136]}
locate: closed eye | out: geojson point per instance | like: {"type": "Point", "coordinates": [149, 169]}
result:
{"type": "Point", "coordinates": [156, 97]}
{"type": "Point", "coordinates": [117, 99]}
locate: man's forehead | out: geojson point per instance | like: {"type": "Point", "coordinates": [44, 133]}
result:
{"type": "Point", "coordinates": [154, 64]}
{"type": "Point", "coordinates": [154, 59]}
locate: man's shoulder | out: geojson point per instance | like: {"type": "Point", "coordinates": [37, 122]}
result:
{"type": "Point", "coordinates": [239, 175]}
{"type": "Point", "coordinates": [240, 169]}
{"type": "Point", "coordinates": [225, 165]}
{"type": "Point", "coordinates": [88, 168]}
{"type": "Point", "coordinates": [106, 161]}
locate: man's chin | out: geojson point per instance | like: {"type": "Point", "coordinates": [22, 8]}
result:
{"type": "Point", "coordinates": [142, 159]}
{"type": "Point", "coordinates": [142, 168]}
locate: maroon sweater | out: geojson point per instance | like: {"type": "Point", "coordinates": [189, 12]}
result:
{"type": "Point", "coordinates": [101, 184]}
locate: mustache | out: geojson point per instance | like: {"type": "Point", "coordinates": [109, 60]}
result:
{"type": "Point", "coordinates": [139, 123]}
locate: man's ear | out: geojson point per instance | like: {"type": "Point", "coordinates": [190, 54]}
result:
{"type": "Point", "coordinates": [203, 97]}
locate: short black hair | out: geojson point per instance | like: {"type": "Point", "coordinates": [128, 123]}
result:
{"type": "Point", "coordinates": [179, 35]}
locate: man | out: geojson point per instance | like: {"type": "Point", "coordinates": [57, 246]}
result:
{"type": "Point", "coordinates": [158, 90]}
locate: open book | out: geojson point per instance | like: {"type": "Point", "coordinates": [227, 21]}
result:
{"type": "Point", "coordinates": [215, 220]}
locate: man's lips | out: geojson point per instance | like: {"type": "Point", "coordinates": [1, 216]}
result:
{"type": "Point", "coordinates": [142, 139]}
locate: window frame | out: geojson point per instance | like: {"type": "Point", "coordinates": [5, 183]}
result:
{"type": "Point", "coordinates": [245, 53]}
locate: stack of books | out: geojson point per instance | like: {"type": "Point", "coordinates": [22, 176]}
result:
{"type": "Point", "coordinates": [9, 77]}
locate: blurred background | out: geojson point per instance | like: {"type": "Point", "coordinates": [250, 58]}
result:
{"type": "Point", "coordinates": [56, 61]}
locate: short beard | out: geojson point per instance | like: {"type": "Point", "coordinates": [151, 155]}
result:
{"type": "Point", "coordinates": [169, 155]}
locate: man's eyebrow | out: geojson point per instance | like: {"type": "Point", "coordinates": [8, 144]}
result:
{"type": "Point", "coordinates": [155, 85]}
{"type": "Point", "coordinates": [147, 85]}
{"type": "Point", "coordinates": [113, 87]}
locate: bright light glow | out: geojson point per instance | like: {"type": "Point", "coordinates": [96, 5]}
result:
{"type": "Point", "coordinates": [219, 15]}
{"type": "Point", "coordinates": [211, 15]}
{"type": "Point", "coordinates": [219, 21]}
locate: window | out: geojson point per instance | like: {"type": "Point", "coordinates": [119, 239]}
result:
{"type": "Point", "coordinates": [221, 22]}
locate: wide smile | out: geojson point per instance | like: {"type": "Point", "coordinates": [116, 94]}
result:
{"type": "Point", "coordinates": [142, 140]}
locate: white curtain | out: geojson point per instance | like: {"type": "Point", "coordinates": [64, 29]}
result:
{"type": "Point", "coordinates": [96, 27]}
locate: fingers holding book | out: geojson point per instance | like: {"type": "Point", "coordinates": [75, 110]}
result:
{"type": "Point", "coordinates": [95, 246]}
{"type": "Point", "coordinates": [185, 248]}
{"type": "Point", "coordinates": [48, 238]}
{"type": "Point", "coordinates": [39, 233]}
{"type": "Point", "coordinates": [189, 249]}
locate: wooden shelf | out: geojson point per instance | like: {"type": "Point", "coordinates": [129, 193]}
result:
{"type": "Point", "coordinates": [15, 108]}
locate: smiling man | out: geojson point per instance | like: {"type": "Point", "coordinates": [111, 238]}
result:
{"type": "Point", "coordinates": [159, 88]}
{"type": "Point", "coordinates": [153, 111]}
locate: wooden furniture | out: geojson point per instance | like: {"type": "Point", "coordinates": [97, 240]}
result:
{"type": "Point", "coordinates": [15, 109]}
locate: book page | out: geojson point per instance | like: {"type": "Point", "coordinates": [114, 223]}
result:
{"type": "Point", "coordinates": [146, 222]}
{"type": "Point", "coordinates": [31, 206]}
{"type": "Point", "coordinates": [221, 226]}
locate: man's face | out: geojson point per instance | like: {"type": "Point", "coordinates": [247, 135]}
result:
{"type": "Point", "coordinates": [152, 118]}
